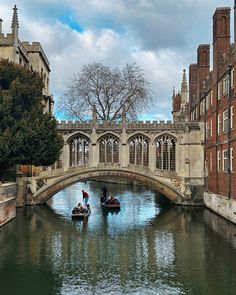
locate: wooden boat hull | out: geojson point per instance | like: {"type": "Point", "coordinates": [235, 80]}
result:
{"type": "Point", "coordinates": [111, 206]}
{"type": "Point", "coordinates": [80, 215]}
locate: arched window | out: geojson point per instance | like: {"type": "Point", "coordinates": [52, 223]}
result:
{"type": "Point", "coordinates": [79, 151]}
{"type": "Point", "coordinates": [139, 151]}
{"type": "Point", "coordinates": [109, 149]}
{"type": "Point", "coordinates": [165, 153]}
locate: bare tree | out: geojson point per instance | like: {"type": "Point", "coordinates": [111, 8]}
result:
{"type": "Point", "coordinates": [109, 93]}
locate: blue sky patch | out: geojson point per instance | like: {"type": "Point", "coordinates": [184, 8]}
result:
{"type": "Point", "coordinates": [69, 20]}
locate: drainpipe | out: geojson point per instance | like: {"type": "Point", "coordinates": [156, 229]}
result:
{"type": "Point", "coordinates": [229, 130]}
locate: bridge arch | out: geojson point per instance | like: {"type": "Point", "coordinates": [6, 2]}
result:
{"type": "Point", "coordinates": [47, 191]}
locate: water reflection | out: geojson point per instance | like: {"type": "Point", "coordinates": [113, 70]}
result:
{"type": "Point", "coordinates": [221, 227]}
{"type": "Point", "coordinates": [138, 206]}
{"type": "Point", "coordinates": [146, 248]}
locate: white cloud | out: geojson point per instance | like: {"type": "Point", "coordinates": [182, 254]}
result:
{"type": "Point", "coordinates": [160, 36]}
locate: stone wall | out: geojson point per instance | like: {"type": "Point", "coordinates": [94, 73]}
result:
{"type": "Point", "coordinates": [7, 202]}
{"type": "Point", "coordinates": [221, 205]}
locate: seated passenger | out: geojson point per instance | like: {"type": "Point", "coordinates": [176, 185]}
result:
{"type": "Point", "coordinates": [112, 200]}
{"type": "Point", "coordinates": [108, 200]}
{"type": "Point", "coordinates": [75, 210]}
{"type": "Point", "coordinates": [80, 208]}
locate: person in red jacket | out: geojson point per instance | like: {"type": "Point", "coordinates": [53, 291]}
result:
{"type": "Point", "coordinates": [85, 197]}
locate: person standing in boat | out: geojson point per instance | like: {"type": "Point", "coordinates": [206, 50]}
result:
{"type": "Point", "coordinates": [104, 194]}
{"type": "Point", "coordinates": [85, 197]}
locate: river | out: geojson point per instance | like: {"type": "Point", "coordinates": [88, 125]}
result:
{"type": "Point", "coordinates": [148, 247]}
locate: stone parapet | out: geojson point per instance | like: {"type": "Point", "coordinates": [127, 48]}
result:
{"type": "Point", "coordinates": [135, 125]}
{"type": "Point", "coordinates": [6, 40]}
{"type": "Point", "coordinates": [36, 47]}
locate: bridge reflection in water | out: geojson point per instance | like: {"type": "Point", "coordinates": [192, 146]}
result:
{"type": "Point", "coordinates": [147, 248]}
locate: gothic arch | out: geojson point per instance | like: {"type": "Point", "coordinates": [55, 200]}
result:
{"type": "Point", "coordinates": [166, 134]}
{"type": "Point", "coordinates": [74, 134]}
{"type": "Point", "coordinates": [110, 133]}
{"type": "Point", "coordinates": [139, 149]}
{"type": "Point", "coordinates": [166, 152]}
{"type": "Point", "coordinates": [109, 148]}
{"type": "Point", "coordinates": [78, 149]}
{"type": "Point", "coordinates": [138, 133]}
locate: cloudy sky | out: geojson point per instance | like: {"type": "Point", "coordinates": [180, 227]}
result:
{"type": "Point", "coordinates": [161, 36]}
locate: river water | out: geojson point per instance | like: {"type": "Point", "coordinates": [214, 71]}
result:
{"type": "Point", "coordinates": [148, 247]}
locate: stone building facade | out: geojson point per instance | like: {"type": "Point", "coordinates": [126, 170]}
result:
{"type": "Point", "coordinates": [212, 100]}
{"type": "Point", "coordinates": [31, 56]}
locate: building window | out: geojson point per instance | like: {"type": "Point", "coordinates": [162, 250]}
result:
{"type": "Point", "coordinates": [225, 121]}
{"type": "Point", "coordinates": [219, 123]}
{"type": "Point", "coordinates": [225, 161]}
{"type": "Point", "coordinates": [208, 129]}
{"type": "Point", "coordinates": [210, 161]}
{"type": "Point", "coordinates": [211, 97]}
{"type": "Point", "coordinates": [208, 101]}
{"type": "Point", "coordinates": [166, 153]}
{"type": "Point", "coordinates": [232, 117]}
{"type": "Point", "coordinates": [197, 112]}
{"type": "Point", "coordinates": [201, 108]}
{"type": "Point", "coordinates": [231, 159]}
{"type": "Point", "coordinates": [139, 151]}
{"type": "Point", "coordinates": [219, 90]}
{"type": "Point", "coordinates": [79, 151]}
{"type": "Point", "coordinates": [109, 149]}
{"type": "Point", "coordinates": [211, 128]}
{"type": "Point", "coordinates": [225, 84]}
{"type": "Point", "coordinates": [232, 78]}
{"type": "Point", "coordinates": [218, 161]}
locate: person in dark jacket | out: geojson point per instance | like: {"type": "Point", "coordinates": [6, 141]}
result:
{"type": "Point", "coordinates": [104, 194]}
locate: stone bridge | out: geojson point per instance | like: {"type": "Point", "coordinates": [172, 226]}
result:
{"type": "Point", "coordinates": [165, 156]}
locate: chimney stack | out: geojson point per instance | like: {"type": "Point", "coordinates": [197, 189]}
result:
{"type": "Point", "coordinates": [203, 63]}
{"type": "Point", "coordinates": [221, 36]}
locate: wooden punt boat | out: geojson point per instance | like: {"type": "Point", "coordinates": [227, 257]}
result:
{"type": "Point", "coordinates": [111, 206]}
{"type": "Point", "coordinates": [81, 215]}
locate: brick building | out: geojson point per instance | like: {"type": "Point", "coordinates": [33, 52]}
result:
{"type": "Point", "coordinates": [212, 99]}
